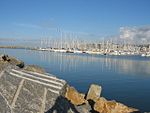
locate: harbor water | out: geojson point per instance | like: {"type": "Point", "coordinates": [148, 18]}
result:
{"type": "Point", "coordinates": [125, 79]}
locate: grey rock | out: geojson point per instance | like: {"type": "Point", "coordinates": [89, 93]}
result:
{"type": "Point", "coordinates": [85, 108]}
{"type": "Point", "coordinates": [29, 93]}
{"type": "Point", "coordinates": [4, 106]}
{"type": "Point", "coordinates": [94, 92]}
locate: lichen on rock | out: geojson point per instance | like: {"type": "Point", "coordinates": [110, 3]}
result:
{"type": "Point", "coordinates": [74, 96]}
{"type": "Point", "coordinates": [104, 106]}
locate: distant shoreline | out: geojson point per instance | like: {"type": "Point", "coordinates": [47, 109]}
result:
{"type": "Point", "coordinates": [73, 51]}
{"type": "Point", "coordinates": [17, 47]}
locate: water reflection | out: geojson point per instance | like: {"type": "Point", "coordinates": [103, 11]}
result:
{"type": "Point", "coordinates": [131, 65]}
{"type": "Point", "coordinates": [70, 62]}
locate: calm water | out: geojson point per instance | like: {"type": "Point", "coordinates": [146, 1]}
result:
{"type": "Point", "coordinates": [125, 79]}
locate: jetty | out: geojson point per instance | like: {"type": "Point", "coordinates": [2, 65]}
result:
{"type": "Point", "coordinates": [26, 91]}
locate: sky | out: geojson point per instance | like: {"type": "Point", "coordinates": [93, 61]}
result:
{"type": "Point", "coordinates": [33, 19]}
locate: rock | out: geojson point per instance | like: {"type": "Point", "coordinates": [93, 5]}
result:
{"type": "Point", "coordinates": [94, 92]}
{"type": "Point", "coordinates": [104, 106]}
{"type": "Point", "coordinates": [20, 95]}
{"type": "Point", "coordinates": [62, 105]}
{"type": "Point", "coordinates": [34, 68]}
{"type": "Point", "coordinates": [10, 62]}
{"type": "Point", "coordinates": [1, 57]}
{"type": "Point", "coordinates": [4, 107]}
{"type": "Point", "coordinates": [85, 108]}
{"type": "Point", "coordinates": [14, 61]}
{"type": "Point", "coordinates": [74, 96]}
{"type": "Point", "coordinates": [21, 65]}
{"type": "Point", "coordinates": [4, 58]}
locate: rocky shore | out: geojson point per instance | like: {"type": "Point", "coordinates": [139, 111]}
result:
{"type": "Point", "coordinates": [29, 89]}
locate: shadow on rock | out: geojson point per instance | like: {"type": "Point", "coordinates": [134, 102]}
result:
{"type": "Point", "coordinates": [91, 102]}
{"type": "Point", "coordinates": [20, 65]}
{"type": "Point", "coordinates": [136, 112]}
{"type": "Point", "coordinates": [62, 105]}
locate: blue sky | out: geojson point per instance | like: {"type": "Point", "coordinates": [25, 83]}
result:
{"type": "Point", "coordinates": [41, 18]}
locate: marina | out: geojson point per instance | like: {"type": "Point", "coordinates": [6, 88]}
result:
{"type": "Point", "coordinates": [88, 48]}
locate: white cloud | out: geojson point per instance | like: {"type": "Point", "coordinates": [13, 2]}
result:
{"type": "Point", "coordinates": [137, 34]}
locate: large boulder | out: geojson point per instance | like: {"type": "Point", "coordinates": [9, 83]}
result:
{"type": "Point", "coordinates": [104, 106]}
{"type": "Point", "coordinates": [94, 92]}
{"type": "Point", "coordinates": [74, 96]}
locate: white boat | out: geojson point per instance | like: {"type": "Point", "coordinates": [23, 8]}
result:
{"type": "Point", "coordinates": [92, 52]}
{"type": "Point", "coordinates": [77, 51]}
{"type": "Point", "coordinates": [143, 55]}
{"type": "Point", "coordinates": [60, 50]}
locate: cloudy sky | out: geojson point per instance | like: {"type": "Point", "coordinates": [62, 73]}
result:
{"type": "Point", "coordinates": [136, 34]}
{"type": "Point", "coordinates": [87, 18]}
